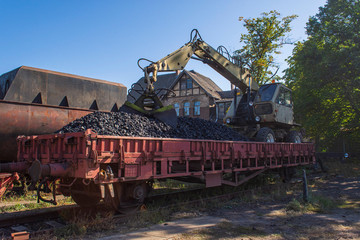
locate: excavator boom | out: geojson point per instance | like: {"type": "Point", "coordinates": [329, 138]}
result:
{"type": "Point", "coordinates": [237, 75]}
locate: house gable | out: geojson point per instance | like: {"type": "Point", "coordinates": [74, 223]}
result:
{"type": "Point", "coordinates": [200, 85]}
{"type": "Point", "coordinates": [195, 94]}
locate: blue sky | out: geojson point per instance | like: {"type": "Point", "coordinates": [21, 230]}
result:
{"type": "Point", "coordinates": [104, 39]}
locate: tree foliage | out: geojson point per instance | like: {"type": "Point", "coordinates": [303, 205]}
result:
{"type": "Point", "coordinates": [324, 72]}
{"type": "Point", "coordinates": [266, 35]}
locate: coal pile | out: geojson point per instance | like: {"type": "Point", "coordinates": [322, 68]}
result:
{"type": "Point", "coordinates": [137, 125]}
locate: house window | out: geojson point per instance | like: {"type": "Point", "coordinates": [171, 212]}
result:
{"type": "Point", "coordinates": [183, 84]}
{"type": "Point", "coordinates": [177, 107]}
{"type": "Point", "coordinates": [189, 83]}
{"type": "Point", "coordinates": [186, 86]}
{"type": "Point", "coordinates": [187, 109]}
{"type": "Point", "coordinates": [183, 87]}
{"type": "Point", "coordinates": [197, 108]}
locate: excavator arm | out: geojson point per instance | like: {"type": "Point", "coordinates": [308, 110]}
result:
{"type": "Point", "coordinates": [237, 75]}
{"type": "Point", "coordinates": [149, 102]}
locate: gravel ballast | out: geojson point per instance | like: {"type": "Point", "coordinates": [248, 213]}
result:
{"type": "Point", "coordinates": [137, 125]}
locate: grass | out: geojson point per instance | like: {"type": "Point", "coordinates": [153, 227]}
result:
{"type": "Point", "coordinates": [86, 223]}
{"type": "Point", "coordinates": [294, 205]}
{"type": "Point", "coordinates": [317, 203]}
{"type": "Point", "coordinates": [347, 168]}
{"type": "Point", "coordinates": [33, 205]}
{"type": "Point", "coordinates": [23, 199]}
{"type": "Point", "coordinates": [350, 204]}
{"type": "Point", "coordinates": [321, 204]}
{"type": "Point", "coordinates": [13, 202]}
{"type": "Point", "coordinates": [213, 204]}
{"type": "Point", "coordinates": [15, 197]}
{"type": "Point", "coordinates": [171, 185]}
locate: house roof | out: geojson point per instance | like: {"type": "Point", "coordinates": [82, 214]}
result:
{"type": "Point", "coordinates": [168, 81]}
{"type": "Point", "coordinates": [227, 94]}
{"type": "Point", "coordinates": [206, 83]}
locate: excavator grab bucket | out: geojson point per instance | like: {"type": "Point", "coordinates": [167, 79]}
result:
{"type": "Point", "coordinates": [165, 114]}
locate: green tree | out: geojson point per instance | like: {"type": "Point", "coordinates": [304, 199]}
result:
{"type": "Point", "coordinates": [324, 72]}
{"type": "Point", "coordinates": [266, 35]}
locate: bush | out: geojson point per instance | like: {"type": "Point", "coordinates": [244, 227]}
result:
{"type": "Point", "coordinates": [294, 205]}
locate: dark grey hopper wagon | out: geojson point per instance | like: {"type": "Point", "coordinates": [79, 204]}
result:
{"type": "Point", "coordinates": [38, 101]}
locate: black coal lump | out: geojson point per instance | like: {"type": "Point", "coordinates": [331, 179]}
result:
{"type": "Point", "coordinates": [125, 123]}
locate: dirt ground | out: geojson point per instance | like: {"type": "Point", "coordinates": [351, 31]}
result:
{"type": "Point", "coordinates": [338, 216]}
{"type": "Point", "coordinates": [333, 213]}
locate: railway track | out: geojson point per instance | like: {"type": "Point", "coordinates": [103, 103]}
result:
{"type": "Point", "coordinates": [46, 221]}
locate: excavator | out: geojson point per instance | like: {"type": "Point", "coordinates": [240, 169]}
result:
{"type": "Point", "coordinates": [262, 113]}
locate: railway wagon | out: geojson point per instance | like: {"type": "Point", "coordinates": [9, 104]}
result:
{"type": "Point", "coordinates": [91, 167]}
{"type": "Point", "coordinates": [38, 101]}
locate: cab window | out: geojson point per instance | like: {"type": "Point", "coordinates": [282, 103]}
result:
{"type": "Point", "coordinates": [266, 93]}
{"type": "Point", "coordinates": [284, 97]}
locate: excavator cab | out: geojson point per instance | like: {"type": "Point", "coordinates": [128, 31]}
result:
{"type": "Point", "coordinates": [269, 107]}
{"type": "Point", "coordinates": [274, 104]}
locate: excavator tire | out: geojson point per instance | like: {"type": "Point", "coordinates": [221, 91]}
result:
{"type": "Point", "coordinates": [294, 137]}
{"type": "Point", "coordinates": [265, 135]}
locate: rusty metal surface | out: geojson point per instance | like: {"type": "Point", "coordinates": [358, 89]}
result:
{"type": "Point", "coordinates": [34, 85]}
{"type": "Point", "coordinates": [6, 181]}
{"type": "Point", "coordinates": [10, 167]}
{"type": "Point", "coordinates": [137, 159]}
{"type": "Point", "coordinates": [29, 119]}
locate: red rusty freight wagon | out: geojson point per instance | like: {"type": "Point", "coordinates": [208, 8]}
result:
{"type": "Point", "coordinates": [120, 170]}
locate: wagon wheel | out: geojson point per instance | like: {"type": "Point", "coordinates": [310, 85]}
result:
{"type": "Point", "coordinates": [85, 195]}
{"type": "Point", "coordinates": [129, 197]}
